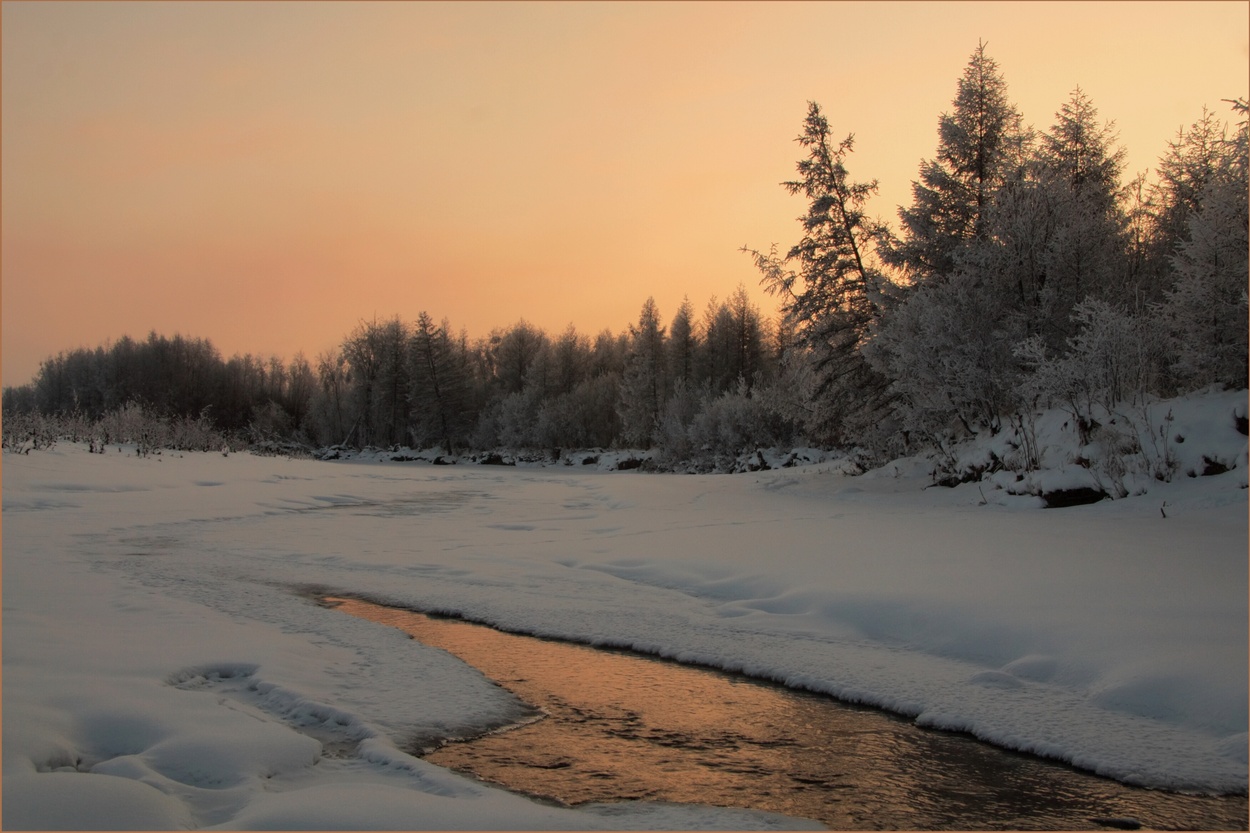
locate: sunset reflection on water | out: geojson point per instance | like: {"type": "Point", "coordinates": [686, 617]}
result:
{"type": "Point", "coordinates": [623, 726]}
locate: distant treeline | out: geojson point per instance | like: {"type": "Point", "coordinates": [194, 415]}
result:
{"type": "Point", "coordinates": [1026, 274]}
{"type": "Point", "coordinates": [173, 376]}
{"type": "Point", "coordinates": [421, 384]}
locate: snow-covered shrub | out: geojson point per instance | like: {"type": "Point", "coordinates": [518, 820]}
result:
{"type": "Point", "coordinates": [75, 427]}
{"type": "Point", "coordinates": [1025, 451]}
{"type": "Point", "coordinates": [948, 350]}
{"type": "Point", "coordinates": [1112, 359]}
{"type": "Point", "coordinates": [131, 423]}
{"type": "Point", "coordinates": [199, 434]}
{"type": "Point", "coordinates": [585, 417]}
{"type": "Point", "coordinates": [511, 423]}
{"type": "Point", "coordinates": [29, 431]}
{"type": "Point", "coordinates": [673, 441]}
{"type": "Point", "coordinates": [731, 424]}
{"type": "Point", "coordinates": [269, 423]}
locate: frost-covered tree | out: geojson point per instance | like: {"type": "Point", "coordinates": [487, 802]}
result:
{"type": "Point", "coordinates": [644, 385]}
{"type": "Point", "coordinates": [1056, 231]}
{"type": "Point", "coordinates": [830, 288]}
{"type": "Point", "coordinates": [749, 334]}
{"type": "Point", "coordinates": [673, 438]}
{"type": "Point", "coordinates": [733, 345]}
{"type": "Point", "coordinates": [948, 348]}
{"type": "Point", "coordinates": [607, 356]}
{"type": "Point", "coordinates": [377, 355]}
{"type": "Point", "coordinates": [715, 356]}
{"type": "Point", "coordinates": [1206, 307]}
{"type": "Point", "coordinates": [513, 352]}
{"type": "Point", "coordinates": [393, 384]}
{"type": "Point", "coordinates": [682, 344]}
{"type": "Point", "coordinates": [1194, 160]}
{"type": "Point", "coordinates": [1080, 164]}
{"type": "Point", "coordinates": [1112, 360]}
{"type": "Point", "coordinates": [728, 425]}
{"type": "Point", "coordinates": [584, 417]}
{"type": "Point", "coordinates": [980, 142]}
{"type": "Point", "coordinates": [1084, 151]}
{"type": "Point", "coordinates": [569, 359]}
{"type": "Point", "coordinates": [577, 406]}
{"type": "Point", "coordinates": [1054, 237]}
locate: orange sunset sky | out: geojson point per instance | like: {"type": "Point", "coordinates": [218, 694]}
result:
{"type": "Point", "coordinates": [266, 175]}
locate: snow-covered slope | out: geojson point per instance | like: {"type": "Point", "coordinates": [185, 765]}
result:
{"type": "Point", "coordinates": [161, 671]}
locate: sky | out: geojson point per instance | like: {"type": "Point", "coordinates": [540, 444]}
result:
{"type": "Point", "coordinates": [269, 175]}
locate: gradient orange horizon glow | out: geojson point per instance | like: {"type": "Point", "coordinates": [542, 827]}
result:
{"type": "Point", "coordinates": [266, 175]}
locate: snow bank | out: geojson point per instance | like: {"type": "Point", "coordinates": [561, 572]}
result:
{"type": "Point", "coordinates": [164, 666]}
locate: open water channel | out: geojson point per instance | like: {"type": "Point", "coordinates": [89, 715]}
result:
{"type": "Point", "coordinates": [616, 725]}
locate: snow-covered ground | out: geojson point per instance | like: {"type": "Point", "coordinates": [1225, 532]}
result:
{"type": "Point", "coordinates": [161, 669]}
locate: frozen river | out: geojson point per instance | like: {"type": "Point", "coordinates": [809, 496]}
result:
{"type": "Point", "coordinates": [614, 726]}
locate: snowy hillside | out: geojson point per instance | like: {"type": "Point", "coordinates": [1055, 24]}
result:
{"type": "Point", "coordinates": [164, 667]}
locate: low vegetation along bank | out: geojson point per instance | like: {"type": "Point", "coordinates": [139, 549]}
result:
{"type": "Point", "coordinates": [1044, 456]}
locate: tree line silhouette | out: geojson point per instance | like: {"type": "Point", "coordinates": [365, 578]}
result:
{"type": "Point", "coordinates": [1025, 274]}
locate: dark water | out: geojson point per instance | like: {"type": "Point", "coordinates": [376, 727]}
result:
{"type": "Point", "coordinates": [624, 726]}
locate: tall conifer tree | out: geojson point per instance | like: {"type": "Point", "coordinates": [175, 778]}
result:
{"type": "Point", "coordinates": [834, 292]}
{"type": "Point", "coordinates": [979, 143]}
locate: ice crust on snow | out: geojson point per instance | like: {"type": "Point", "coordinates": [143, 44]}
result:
{"type": "Point", "coordinates": [164, 666]}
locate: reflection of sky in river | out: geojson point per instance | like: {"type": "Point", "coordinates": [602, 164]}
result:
{"type": "Point", "coordinates": [621, 726]}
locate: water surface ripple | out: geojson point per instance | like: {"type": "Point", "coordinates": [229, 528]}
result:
{"type": "Point", "coordinates": [620, 725]}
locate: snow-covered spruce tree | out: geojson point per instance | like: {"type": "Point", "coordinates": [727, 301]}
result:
{"type": "Point", "coordinates": [980, 143]}
{"type": "Point", "coordinates": [1056, 230]}
{"type": "Point", "coordinates": [832, 291]}
{"type": "Point", "coordinates": [1080, 164]}
{"type": "Point", "coordinates": [644, 385]}
{"type": "Point", "coordinates": [947, 346]}
{"type": "Point", "coordinates": [1206, 308]}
